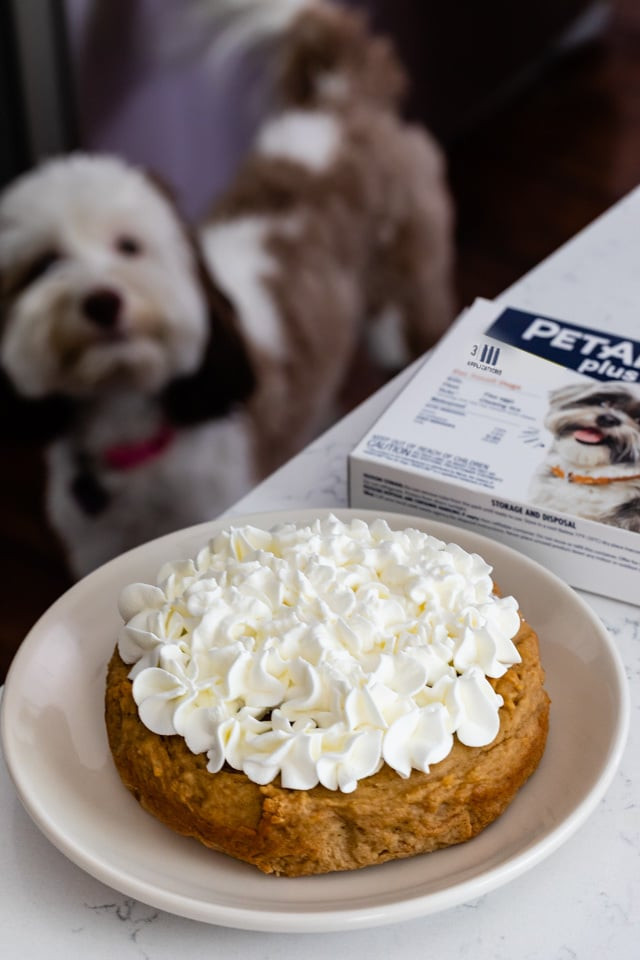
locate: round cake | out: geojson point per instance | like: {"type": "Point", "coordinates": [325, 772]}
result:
{"type": "Point", "coordinates": [325, 697]}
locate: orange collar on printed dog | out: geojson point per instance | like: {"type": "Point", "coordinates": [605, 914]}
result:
{"type": "Point", "coordinates": [591, 481]}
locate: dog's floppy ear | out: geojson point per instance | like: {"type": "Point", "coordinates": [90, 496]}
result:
{"type": "Point", "coordinates": [25, 421]}
{"type": "Point", "coordinates": [225, 377]}
{"type": "Point", "coordinates": [572, 393]}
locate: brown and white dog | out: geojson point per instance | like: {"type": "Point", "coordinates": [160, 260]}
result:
{"type": "Point", "coordinates": [171, 378]}
{"type": "Point", "coordinates": [592, 469]}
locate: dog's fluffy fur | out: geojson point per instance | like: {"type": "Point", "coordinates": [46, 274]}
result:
{"type": "Point", "coordinates": [113, 338]}
{"type": "Point", "coordinates": [120, 337]}
{"type": "Point", "coordinates": [592, 468]}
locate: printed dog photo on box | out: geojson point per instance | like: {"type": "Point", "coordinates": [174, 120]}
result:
{"type": "Point", "coordinates": [592, 467]}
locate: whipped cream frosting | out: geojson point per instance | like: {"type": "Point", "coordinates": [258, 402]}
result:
{"type": "Point", "coordinates": [320, 652]}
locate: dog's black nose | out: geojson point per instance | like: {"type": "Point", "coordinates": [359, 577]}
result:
{"type": "Point", "coordinates": [608, 420]}
{"type": "Point", "coordinates": [103, 308]}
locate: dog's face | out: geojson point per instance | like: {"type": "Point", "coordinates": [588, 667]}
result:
{"type": "Point", "coordinates": [99, 282]}
{"type": "Point", "coordinates": [597, 424]}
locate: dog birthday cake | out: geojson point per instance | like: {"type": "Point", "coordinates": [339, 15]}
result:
{"type": "Point", "coordinates": [326, 696]}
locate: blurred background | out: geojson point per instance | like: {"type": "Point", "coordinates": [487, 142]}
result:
{"type": "Point", "coordinates": [536, 103]}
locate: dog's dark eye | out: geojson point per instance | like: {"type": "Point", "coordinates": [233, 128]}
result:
{"type": "Point", "coordinates": [606, 399]}
{"type": "Point", "coordinates": [128, 246]}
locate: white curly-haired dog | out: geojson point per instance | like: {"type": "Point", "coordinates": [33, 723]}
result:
{"type": "Point", "coordinates": [592, 468]}
{"type": "Point", "coordinates": [168, 387]}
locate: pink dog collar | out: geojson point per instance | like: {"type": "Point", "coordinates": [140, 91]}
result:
{"type": "Point", "coordinates": [127, 456]}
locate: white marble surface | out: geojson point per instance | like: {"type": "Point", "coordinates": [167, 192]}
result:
{"type": "Point", "coordinates": [582, 902]}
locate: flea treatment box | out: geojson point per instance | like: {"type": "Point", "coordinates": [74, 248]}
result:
{"type": "Point", "coordinates": [524, 428]}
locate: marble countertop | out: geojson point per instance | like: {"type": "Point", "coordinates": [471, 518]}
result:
{"type": "Point", "coordinates": [582, 902]}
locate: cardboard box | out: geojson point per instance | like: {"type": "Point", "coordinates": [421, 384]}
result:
{"type": "Point", "coordinates": [526, 429]}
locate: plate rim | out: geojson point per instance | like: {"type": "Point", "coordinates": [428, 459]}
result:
{"type": "Point", "coordinates": [291, 920]}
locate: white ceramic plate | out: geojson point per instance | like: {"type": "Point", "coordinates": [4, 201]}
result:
{"type": "Point", "coordinates": [56, 750]}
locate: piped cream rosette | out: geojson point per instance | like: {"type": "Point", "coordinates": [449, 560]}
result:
{"type": "Point", "coordinates": [320, 652]}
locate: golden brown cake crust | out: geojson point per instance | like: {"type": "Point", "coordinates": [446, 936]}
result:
{"type": "Point", "coordinates": [298, 832]}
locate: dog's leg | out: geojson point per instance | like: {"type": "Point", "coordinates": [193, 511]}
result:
{"type": "Point", "coordinates": [412, 279]}
{"type": "Point", "coordinates": [425, 255]}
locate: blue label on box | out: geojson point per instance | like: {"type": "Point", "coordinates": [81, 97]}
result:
{"type": "Point", "coordinates": [592, 353]}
